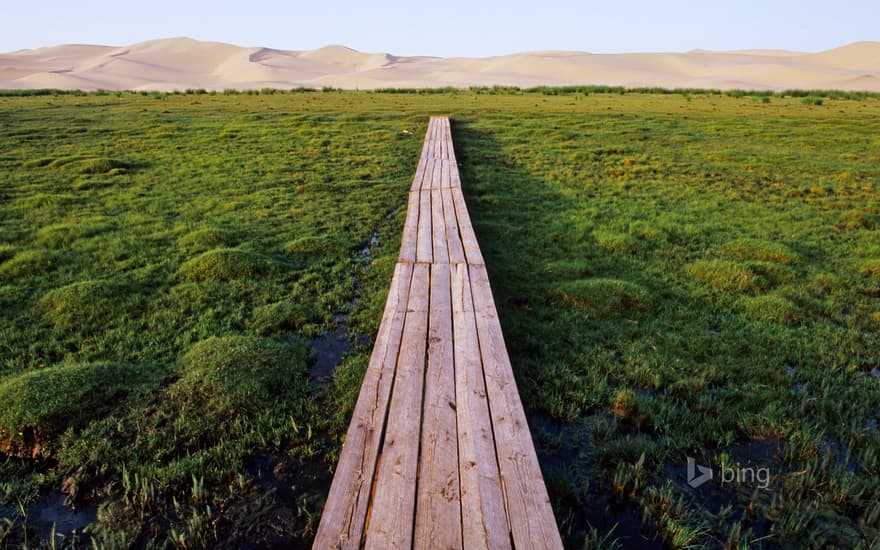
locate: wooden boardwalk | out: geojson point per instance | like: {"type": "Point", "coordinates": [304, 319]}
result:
{"type": "Point", "coordinates": [438, 453]}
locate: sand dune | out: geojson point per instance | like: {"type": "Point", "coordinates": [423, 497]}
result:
{"type": "Point", "coordinates": [180, 63]}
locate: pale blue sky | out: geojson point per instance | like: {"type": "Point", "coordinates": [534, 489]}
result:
{"type": "Point", "coordinates": [450, 27]}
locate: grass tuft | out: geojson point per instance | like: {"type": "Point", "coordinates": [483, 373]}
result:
{"type": "Point", "coordinates": [61, 235]}
{"type": "Point", "coordinates": [758, 250]}
{"type": "Point", "coordinates": [41, 404]}
{"type": "Point", "coordinates": [856, 219]}
{"type": "Point", "coordinates": [207, 238]}
{"type": "Point", "coordinates": [89, 306]}
{"type": "Point", "coordinates": [226, 264]}
{"type": "Point", "coordinates": [30, 263]}
{"type": "Point", "coordinates": [602, 296]}
{"type": "Point", "coordinates": [723, 275]}
{"type": "Point", "coordinates": [870, 268]}
{"type": "Point", "coordinates": [311, 246]}
{"type": "Point", "coordinates": [769, 307]}
{"type": "Point", "coordinates": [7, 251]}
{"type": "Point", "coordinates": [80, 165]}
{"type": "Point", "coordinates": [241, 375]}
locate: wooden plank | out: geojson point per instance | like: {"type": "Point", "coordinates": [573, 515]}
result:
{"type": "Point", "coordinates": [528, 505]}
{"type": "Point", "coordinates": [450, 151]}
{"type": "Point", "coordinates": [438, 136]}
{"type": "Point", "coordinates": [453, 239]}
{"type": "Point", "coordinates": [484, 521]}
{"type": "Point", "coordinates": [444, 174]}
{"type": "Point", "coordinates": [420, 174]}
{"type": "Point", "coordinates": [438, 227]}
{"type": "Point", "coordinates": [393, 508]}
{"type": "Point", "coordinates": [468, 237]}
{"type": "Point", "coordinates": [424, 244]}
{"type": "Point", "coordinates": [437, 174]}
{"type": "Point", "coordinates": [433, 148]}
{"type": "Point", "coordinates": [342, 523]}
{"type": "Point", "coordinates": [426, 145]}
{"type": "Point", "coordinates": [455, 177]}
{"type": "Point", "coordinates": [443, 134]}
{"type": "Point", "coordinates": [410, 229]}
{"type": "Point", "coordinates": [446, 138]}
{"type": "Point", "coordinates": [438, 507]}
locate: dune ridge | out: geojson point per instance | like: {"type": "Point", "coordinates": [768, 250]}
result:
{"type": "Point", "coordinates": [180, 63]}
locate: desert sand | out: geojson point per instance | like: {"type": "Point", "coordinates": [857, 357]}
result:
{"type": "Point", "coordinates": [181, 63]}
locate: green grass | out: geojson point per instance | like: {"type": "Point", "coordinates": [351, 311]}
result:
{"type": "Point", "coordinates": [677, 274]}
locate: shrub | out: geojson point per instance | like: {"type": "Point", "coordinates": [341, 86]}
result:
{"type": "Point", "coordinates": [226, 264]}
{"type": "Point", "coordinates": [723, 275]}
{"type": "Point", "coordinates": [605, 296]}
{"type": "Point", "coordinates": [812, 100]}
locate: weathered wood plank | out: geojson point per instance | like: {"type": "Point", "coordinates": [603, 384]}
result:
{"type": "Point", "coordinates": [484, 521]}
{"type": "Point", "coordinates": [438, 136]}
{"type": "Point", "coordinates": [443, 134]}
{"type": "Point", "coordinates": [438, 507]}
{"type": "Point", "coordinates": [424, 244]}
{"type": "Point", "coordinates": [440, 244]}
{"type": "Point", "coordinates": [450, 150]}
{"type": "Point", "coordinates": [420, 175]}
{"type": "Point", "coordinates": [532, 522]}
{"type": "Point", "coordinates": [466, 230]}
{"type": "Point", "coordinates": [393, 509]}
{"type": "Point", "coordinates": [426, 145]}
{"type": "Point", "coordinates": [453, 239]}
{"type": "Point", "coordinates": [342, 523]}
{"type": "Point", "coordinates": [437, 174]}
{"type": "Point", "coordinates": [409, 239]}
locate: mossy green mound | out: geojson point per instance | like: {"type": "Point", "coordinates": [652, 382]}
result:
{"type": "Point", "coordinates": [771, 308]}
{"type": "Point", "coordinates": [723, 275]}
{"type": "Point", "coordinates": [241, 375]}
{"type": "Point", "coordinates": [312, 246]}
{"type": "Point", "coordinates": [758, 250]}
{"type": "Point", "coordinates": [7, 251]}
{"type": "Point", "coordinates": [294, 313]}
{"type": "Point", "coordinates": [45, 402]}
{"type": "Point", "coordinates": [80, 164]}
{"type": "Point", "coordinates": [89, 306]}
{"type": "Point", "coordinates": [615, 241]}
{"type": "Point", "coordinates": [64, 234]}
{"type": "Point", "coordinates": [207, 238]}
{"type": "Point", "coordinates": [604, 296]}
{"type": "Point", "coordinates": [226, 264]}
{"type": "Point", "coordinates": [568, 269]}
{"type": "Point", "coordinates": [870, 268]}
{"type": "Point", "coordinates": [29, 263]}
{"type": "Point", "coordinates": [856, 219]}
